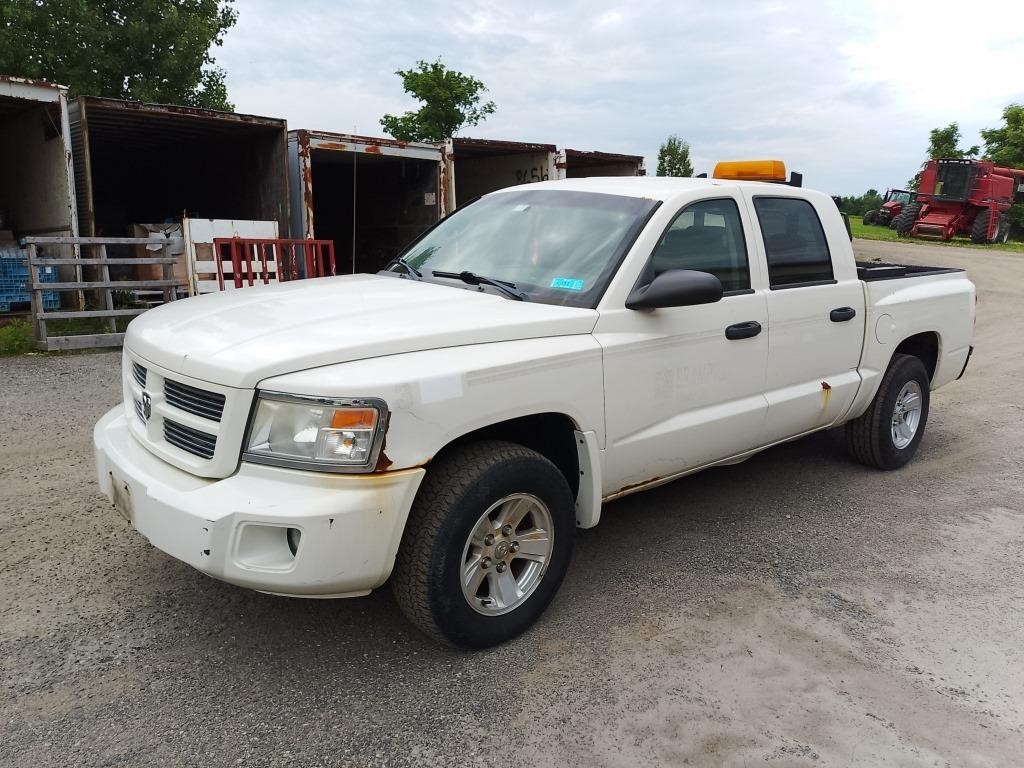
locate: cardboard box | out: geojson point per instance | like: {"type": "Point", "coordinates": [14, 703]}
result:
{"type": "Point", "coordinates": [156, 271]}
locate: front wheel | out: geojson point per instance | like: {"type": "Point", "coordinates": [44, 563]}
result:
{"type": "Point", "coordinates": [904, 223]}
{"type": "Point", "coordinates": [487, 544]}
{"type": "Point", "coordinates": [981, 225]}
{"type": "Point", "coordinates": [888, 433]}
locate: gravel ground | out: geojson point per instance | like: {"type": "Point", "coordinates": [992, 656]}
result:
{"type": "Point", "coordinates": [795, 610]}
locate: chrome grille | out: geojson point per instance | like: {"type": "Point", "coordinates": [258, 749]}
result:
{"type": "Point", "coordinates": [139, 412]}
{"type": "Point", "coordinates": [139, 373]}
{"type": "Point", "coordinates": [199, 402]}
{"type": "Point", "coordinates": [191, 440]}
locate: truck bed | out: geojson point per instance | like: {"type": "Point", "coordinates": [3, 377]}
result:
{"type": "Point", "coordinates": [870, 271]}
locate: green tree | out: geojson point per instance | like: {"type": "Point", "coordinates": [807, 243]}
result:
{"type": "Point", "coordinates": [944, 142]}
{"type": "Point", "coordinates": [858, 206]}
{"type": "Point", "coordinates": [1005, 146]}
{"type": "Point", "coordinates": [145, 50]}
{"type": "Point", "coordinates": [674, 158]}
{"type": "Point", "coordinates": [450, 99]}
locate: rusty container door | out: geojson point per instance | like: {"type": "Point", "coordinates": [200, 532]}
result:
{"type": "Point", "coordinates": [370, 196]}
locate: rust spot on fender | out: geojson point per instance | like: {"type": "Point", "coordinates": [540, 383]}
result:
{"type": "Point", "coordinates": [826, 395]}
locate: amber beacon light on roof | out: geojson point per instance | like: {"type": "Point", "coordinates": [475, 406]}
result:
{"type": "Point", "coordinates": [756, 170]}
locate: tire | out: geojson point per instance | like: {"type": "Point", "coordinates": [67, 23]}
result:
{"type": "Point", "coordinates": [904, 223]}
{"type": "Point", "coordinates": [1003, 233]}
{"type": "Point", "coordinates": [888, 433]}
{"type": "Point", "coordinates": [466, 495]}
{"type": "Point", "coordinates": [979, 229]}
{"type": "Point", "coordinates": [870, 217]}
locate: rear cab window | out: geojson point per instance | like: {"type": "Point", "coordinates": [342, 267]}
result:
{"type": "Point", "coordinates": [794, 242]}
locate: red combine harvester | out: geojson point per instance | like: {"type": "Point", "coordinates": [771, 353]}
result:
{"type": "Point", "coordinates": [962, 197]}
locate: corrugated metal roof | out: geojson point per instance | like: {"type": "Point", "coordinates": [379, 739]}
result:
{"type": "Point", "coordinates": [136, 125]}
{"type": "Point", "coordinates": [465, 147]}
{"type": "Point", "coordinates": [581, 158]}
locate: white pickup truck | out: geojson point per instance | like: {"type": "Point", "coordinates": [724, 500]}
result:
{"type": "Point", "coordinates": [447, 423]}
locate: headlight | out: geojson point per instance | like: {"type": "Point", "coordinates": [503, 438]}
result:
{"type": "Point", "coordinates": [319, 433]}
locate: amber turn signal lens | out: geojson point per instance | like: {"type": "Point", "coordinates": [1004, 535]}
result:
{"type": "Point", "coordinates": [354, 418]}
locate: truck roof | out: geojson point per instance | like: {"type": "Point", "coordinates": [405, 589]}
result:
{"type": "Point", "coordinates": [651, 187]}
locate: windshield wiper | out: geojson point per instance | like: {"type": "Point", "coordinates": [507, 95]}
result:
{"type": "Point", "coordinates": [410, 270]}
{"type": "Point", "coordinates": [509, 289]}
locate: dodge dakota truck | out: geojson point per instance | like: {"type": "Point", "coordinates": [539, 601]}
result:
{"type": "Point", "coordinates": [447, 423]}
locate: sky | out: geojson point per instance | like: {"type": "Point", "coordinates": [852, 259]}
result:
{"type": "Point", "coordinates": [845, 93]}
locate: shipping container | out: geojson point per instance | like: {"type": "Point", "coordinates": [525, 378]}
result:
{"type": "Point", "coordinates": [37, 194]}
{"type": "Point", "coordinates": [475, 167]}
{"type": "Point", "coordinates": [576, 164]}
{"type": "Point", "coordinates": [371, 196]}
{"type": "Point", "coordinates": [141, 163]}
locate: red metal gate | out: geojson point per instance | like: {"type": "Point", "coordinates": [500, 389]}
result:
{"type": "Point", "coordinates": [274, 260]}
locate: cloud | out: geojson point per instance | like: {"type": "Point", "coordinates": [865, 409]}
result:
{"type": "Point", "coordinates": [844, 93]}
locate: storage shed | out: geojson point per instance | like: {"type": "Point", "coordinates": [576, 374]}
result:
{"type": "Point", "coordinates": [141, 163]}
{"type": "Point", "coordinates": [37, 195]}
{"type": "Point", "coordinates": [371, 196]}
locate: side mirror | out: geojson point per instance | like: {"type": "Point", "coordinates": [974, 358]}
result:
{"type": "Point", "coordinates": [676, 288]}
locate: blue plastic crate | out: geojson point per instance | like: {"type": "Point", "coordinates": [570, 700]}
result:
{"type": "Point", "coordinates": [14, 280]}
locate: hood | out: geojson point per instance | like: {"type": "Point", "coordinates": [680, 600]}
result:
{"type": "Point", "coordinates": [239, 337]}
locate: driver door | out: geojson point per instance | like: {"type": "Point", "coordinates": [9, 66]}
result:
{"type": "Point", "coordinates": [684, 386]}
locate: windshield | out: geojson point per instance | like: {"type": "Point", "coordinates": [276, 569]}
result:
{"type": "Point", "coordinates": [557, 246]}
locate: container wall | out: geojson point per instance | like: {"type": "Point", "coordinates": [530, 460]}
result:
{"type": "Point", "coordinates": [624, 168]}
{"type": "Point", "coordinates": [372, 206]}
{"type": "Point", "coordinates": [478, 175]}
{"type": "Point", "coordinates": [34, 184]}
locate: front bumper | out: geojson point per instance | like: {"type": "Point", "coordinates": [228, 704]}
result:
{"type": "Point", "coordinates": [236, 529]}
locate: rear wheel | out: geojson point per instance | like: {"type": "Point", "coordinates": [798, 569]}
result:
{"type": "Point", "coordinates": [888, 433]}
{"type": "Point", "coordinates": [904, 223]}
{"type": "Point", "coordinates": [979, 229]}
{"type": "Point", "coordinates": [487, 544]}
{"type": "Point", "coordinates": [1003, 233]}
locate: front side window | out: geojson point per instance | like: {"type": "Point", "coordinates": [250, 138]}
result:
{"type": "Point", "coordinates": [556, 246]}
{"type": "Point", "coordinates": [794, 242]}
{"type": "Point", "coordinates": [706, 237]}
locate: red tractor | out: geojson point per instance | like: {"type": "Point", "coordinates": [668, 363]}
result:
{"type": "Point", "coordinates": [894, 202]}
{"type": "Point", "coordinates": [962, 197]}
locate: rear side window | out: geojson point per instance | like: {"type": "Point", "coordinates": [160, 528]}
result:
{"type": "Point", "coordinates": [707, 237]}
{"type": "Point", "coordinates": [793, 241]}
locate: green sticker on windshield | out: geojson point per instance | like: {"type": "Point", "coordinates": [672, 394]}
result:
{"type": "Point", "coordinates": [567, 284]}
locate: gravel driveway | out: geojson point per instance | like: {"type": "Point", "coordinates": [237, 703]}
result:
{"type": "Point", "coordinates": [795, 610]}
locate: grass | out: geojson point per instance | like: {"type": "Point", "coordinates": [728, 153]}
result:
{"type": "Point", "coordinates": [16, 338]}
{"type": "Point", "coordinates": [875, 232]}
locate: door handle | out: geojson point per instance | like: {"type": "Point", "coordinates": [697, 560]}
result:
{"type": "Point", "coordinates": [743, 330]}
{"type": "Point", "coordinates": [842, 314]}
